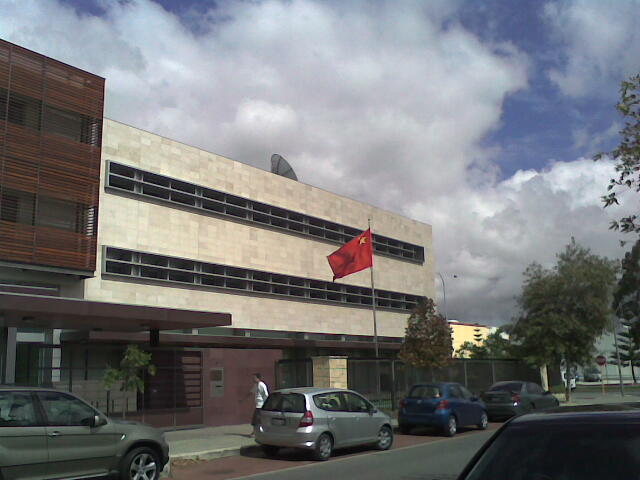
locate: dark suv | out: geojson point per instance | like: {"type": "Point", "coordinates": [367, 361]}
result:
{"type": "Point", "coordinates": [46, 433]}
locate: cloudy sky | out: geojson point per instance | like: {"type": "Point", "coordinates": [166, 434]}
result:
{"type": "Point", "coordinates": [479, 117]}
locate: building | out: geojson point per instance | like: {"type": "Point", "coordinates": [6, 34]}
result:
{"type": "Point", "coordinates": [111, 235]}
{"type": "Point", "coordinates": [467, 332]}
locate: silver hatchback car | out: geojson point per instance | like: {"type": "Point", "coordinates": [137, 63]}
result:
{"type": "Point", "coordinates": [321, 419]}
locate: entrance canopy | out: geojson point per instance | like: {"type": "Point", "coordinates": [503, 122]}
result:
{"type": "Point", "coordinates": [37, 311]}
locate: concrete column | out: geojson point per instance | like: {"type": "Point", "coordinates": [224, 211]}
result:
{"type": "Point", "coordinates": [8, 352]}
{"type": "Point", "coordinates": [330, 372]}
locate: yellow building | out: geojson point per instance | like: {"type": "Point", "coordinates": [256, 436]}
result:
{"type": "Point", "coordinates": [467, 332]}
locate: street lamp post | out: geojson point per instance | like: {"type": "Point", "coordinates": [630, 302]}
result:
{"type": "Point", "coordinates": [444, 296]}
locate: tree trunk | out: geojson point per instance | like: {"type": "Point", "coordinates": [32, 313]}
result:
{"type": "Point", "coordinates": [633, 372]}
{"type": "Point", "coordinates": [567, 381]}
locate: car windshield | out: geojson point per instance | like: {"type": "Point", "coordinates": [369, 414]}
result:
{"type": "Point", "coordinates": [285, 402]}
{"type": "Point", "coordinates": [425, 391]}
{"type": "Point", "coordinates": [507, 387]}
{"type": "Point", "coordinates": [562, 452]}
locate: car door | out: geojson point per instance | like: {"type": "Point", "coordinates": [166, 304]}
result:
{"type": "Point", "coordinates": [339, 419]}
{"type": "Point", "coordinates": [365, 425]}
{"type": "Point", "coordinates": [474, 406]}
{"type": "Point", "coordinates": [458, 404]}
{"type": "Point", "coordinates": [75, 447]}
{"type": "Point", "coordinates": [23, 440]}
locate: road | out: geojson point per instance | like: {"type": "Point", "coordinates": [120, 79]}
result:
{"type": "Point", "coordinates": [417, 458]}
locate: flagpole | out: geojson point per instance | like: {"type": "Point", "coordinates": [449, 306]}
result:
{"type": "Point", "coordinates": [373, 304]}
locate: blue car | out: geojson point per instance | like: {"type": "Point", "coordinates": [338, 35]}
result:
{"type": "Point", "coordinates": [445, 406]}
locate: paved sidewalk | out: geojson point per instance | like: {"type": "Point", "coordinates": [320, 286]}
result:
{"type": "Point", "coordinates": [209, 442]}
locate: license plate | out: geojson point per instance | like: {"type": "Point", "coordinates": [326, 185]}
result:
{"type": "Point", "coordinates": [277, 421]}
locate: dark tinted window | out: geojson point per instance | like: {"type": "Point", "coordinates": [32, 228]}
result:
{"type": "Point", "coordinates": [534, 388]}
{"type": "Point", "coordinates": [332, 402]}
{"type": "Point", "coordinates": [285, 402]}
{"type": "Point", "coordinates": [581, 452]}
{"type": "Point", "coordinates": [356, 403]}
{"type": "Point", "coordinates": [507, 387]}
{"type": "Point", "coordinates": [64, 410]}
{"type": "Point", "coordinates": [425, 391]}
{"type": "Point", "coordinates": [455, 392]}
{"type": "Point", "coordinates": [17, 410]}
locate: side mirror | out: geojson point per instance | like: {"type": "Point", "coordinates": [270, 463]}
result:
{"type": "Point", "coordinates": [95, 421]}
{"type": "Point", "coordinates": [372, 410]}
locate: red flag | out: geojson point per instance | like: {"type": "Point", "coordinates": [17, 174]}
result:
{"type": "Point", "coordinates": [353, 256]}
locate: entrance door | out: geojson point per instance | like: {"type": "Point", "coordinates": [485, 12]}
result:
{"type": "Point", "coordinates": [75, 448]}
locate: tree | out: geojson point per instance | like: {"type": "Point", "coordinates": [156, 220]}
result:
{"type": "Point", "coordinates": [627, 154]}
{"type": "Point", "coordinates": [494, 345]}
{"type": "Point", "coordinates": [626, 304]}
{"type": "Point", "coordinates": [629, 349]}
{"type": "Point", "coordinates": [130, 375]}
{"type": "Point", "coordinates": [564, 309]}
{"type": "Point", "coordinates": [427, 341]}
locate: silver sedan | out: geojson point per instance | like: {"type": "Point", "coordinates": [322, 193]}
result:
{"type": "Point", "coordinates": [321, 419]}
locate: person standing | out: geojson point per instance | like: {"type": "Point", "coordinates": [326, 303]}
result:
{"type": "Point", "coordinates": [261, 393]}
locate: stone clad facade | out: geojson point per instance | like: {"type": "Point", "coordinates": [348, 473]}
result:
{"type": "Point", "coordinates": [155, 227]}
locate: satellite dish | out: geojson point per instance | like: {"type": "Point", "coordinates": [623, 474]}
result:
{"type": "Point", "coordinates": [280, 166]}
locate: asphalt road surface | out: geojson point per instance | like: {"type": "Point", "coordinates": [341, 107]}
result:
{"type": "Point", "coordinates": [420, 457]}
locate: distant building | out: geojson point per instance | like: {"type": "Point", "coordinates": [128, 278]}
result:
{"type": "Point", "coordinates": [467, 332]}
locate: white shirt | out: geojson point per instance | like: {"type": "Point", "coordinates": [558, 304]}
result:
{"type": "Point", "coordinates": [261, 394]}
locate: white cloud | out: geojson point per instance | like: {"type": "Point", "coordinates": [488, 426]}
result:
{"type": "Point", "coordinates": [599, 40]}
{"type": "Point", "coordinates": [387, 102]}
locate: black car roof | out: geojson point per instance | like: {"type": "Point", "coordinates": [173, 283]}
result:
{"type": "Point", "coordinates": [603, 413]}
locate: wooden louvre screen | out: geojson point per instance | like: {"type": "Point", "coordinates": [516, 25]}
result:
{"type": "Point", "coordinates": [50, 151]}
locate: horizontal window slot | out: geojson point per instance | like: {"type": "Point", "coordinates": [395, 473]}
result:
{"type": "Point", "coordinates": [263, 276]}
{"type": "Point", "coordinates": [118, 268]}
{"type": "Point", "coordinates": [216, 269]}
{"type": "Point", "coordinates": [122, 183]}
{"type": "Point", "coordinates": [182, 193]}
{"type": "Point", "coordinates": [156, 179]}
{"type": "Point", "coordinates": [151, 272]}
{"type": "Point", "coordinates": [178, 276]}
{"type": "Point", "coordinates": [181, 264]}
{"type": "Point", "coordinates": [183, 187]}
{"type": "Point", "coordinates": [124, 262]}
{"type": "Point", "coordinates": [122, 170]}
{"type": "Point", "coordinates": [261, 287]}
{"type": "Point", "coordinates": [235, 211]}
{"type": "Point", "coordinates": [278, 222]}
{"type": "Point", "coordinates": [236, 272]}
{"type": "Point", "coordinates": [213, 206]}
{"type": "Point", "coordinates": [214, 195]}
{"type": "Point", "coordinates": [117, 254]}
{"type": "Point", "coordinates": [237, 284]}
{"type": "Point", "coordinates": [149, 259]}
{"type": "Point", "coordinates": [212, 281]}
{"type": "Point", "coordinates": [183, 198]}
{"type": "Point", "coordinates": [261, 218]}
{"type": "Point", "coordinates": [240, 202]}
{"type": "Point", "coordinates": [155, 192]}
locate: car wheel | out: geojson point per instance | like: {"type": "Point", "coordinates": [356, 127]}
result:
{"type": "Point", "coordinates": [324, 447]}
{"type": "Point", "coordinates": [385, 438]}
{"type": "Point", "coordinates": [140, 464]}
{"type": "Point", "coordinates": [270, 450]}
{"type": "Point", "coordinates": [484, 421]}
{"type": "Point", "coordinates": [452, 427]}
{"type": "Point", "coordinates": [404, 429]}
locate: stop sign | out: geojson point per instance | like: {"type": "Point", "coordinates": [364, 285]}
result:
{"type": "Point", "coordinates": [601, 360]}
